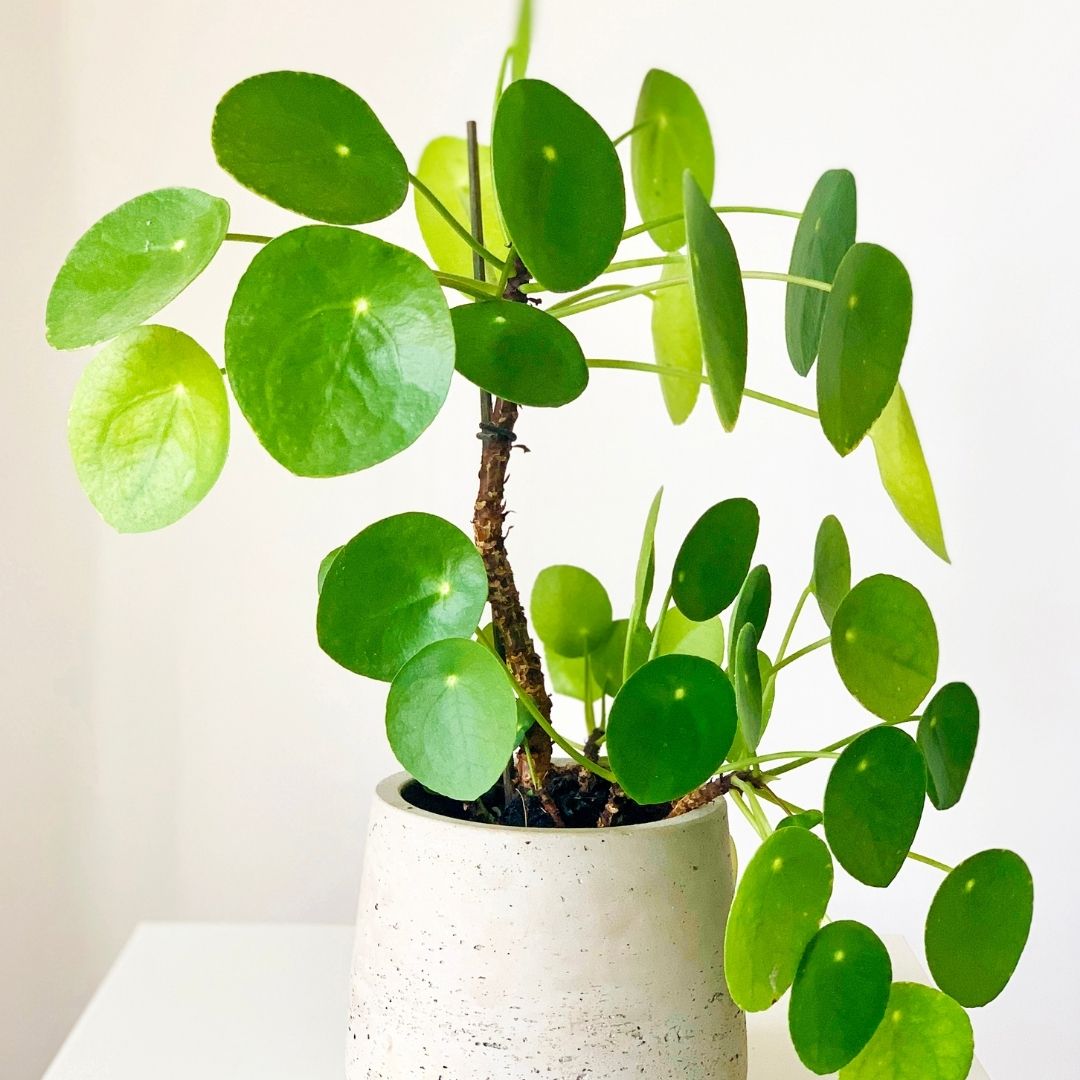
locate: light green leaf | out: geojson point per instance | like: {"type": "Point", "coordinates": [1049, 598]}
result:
{"type": "Point", "coordinates": [826, 231]}
{"type": "Point", "coordinates": [873, 804]}
{"type": "Point", "coordinates": [948, 732]}
{"type": "Point", "coordinates": [608, 658]}
{"type": "Point", "coordinates": [747, 680]}
{"type": "Point", "coordinates": [568, 676]}
{"type": "Point", "coordinates": [689, 638]}
{"type": "Point", "coordinates": [559, 184]}
{"type": "Point", "coordinates": [885, 645]}
{"type": "Point", "coordinates": [863, 338]}
{"type": "Point", "coordinates": [904, 473]}
{"type": "Point", "coordinates": [444, 168]}
{"type": "Point", "coordinates": [839, 995]}
{"type": "Point", "coordinates": [570, 610]}
{"type": "Point", "coordinates": [777, 909]}
{"type": "Point", "coordinates": [148, 428]}
{"type": "Point", "coordinates": [673, 136]}
{"type": "Point", "coordinates": [311, 145]}
{"type": "Point", "coordinates": [519, 51]}
{"type": "Point", "coordinates": [339, 349]}
{"type": "Point", "coordinates": [832, 568]}
{"type": "Point", "coordinates": [645, 570]}
{"type": "Point", "coordinates": [978, 926]}
{"type": "Point", "coordinates": [752, 605]}
{"type": "Point", "coordinates": [716, 285]}
{"type": "Point", "coordinates": [677, 344]}
{"type": "Point", "coordinates": [327, 562]}
{"type": "Point", "coordinates": [130, 264]}
{"type": "Point", "coordinates": [807, 819]}
{"type": "Point", "coordinates": [451, 718]}
{"type": "Point", "coordinates": [670, 728]}
{"type": "Point", "coordinates": [399, 585]}
{"type": "Point", "coordinates": [518, 352]}
{"type": "Point", "coordinates": [924, 1036]}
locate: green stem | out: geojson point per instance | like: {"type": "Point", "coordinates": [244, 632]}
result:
{"type": "Point", "coordinates": [671, 218]}
{"type": "Point", "coordinates": [630, 131]}
{"type": "Point", "coordinates": [469, 286]}
{"type": "Point", "coordinates": [590, 712]}
{"type": "Point", "coordinates": [819, 644]}
{"type": "Point", "coordinates": [248, 238]}
{"type": "Point", "coordinates": [764, 829]}
{"type": "Point", "coordinates": [463, 233]}
{"type": "Point", "coordinates": [737, 799]}
{"type": "Point", "coordinates": [839, 745]}
{"type": "Point", "coordinates": [572, 306]}
{"type": "Point", "coordinates": [637, 264]}
{"type": "Point", "coordinates": [654, 647]}
{"type": "Point", "coordinates": [803, 597]}
{"type": "Point", "coordinates": [782, 755]}
{"type": "Point", "coordinates": [944, 867]}
{"type": "Point", "coordinates": [682, 373]}
{"type": "Point", "coordinates": [791, 279]}
{"type": "Point", "coordinates": [504, 274]}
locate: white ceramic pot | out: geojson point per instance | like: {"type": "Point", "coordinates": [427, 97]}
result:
{"type": "Point", "coordinates": [492, 953]}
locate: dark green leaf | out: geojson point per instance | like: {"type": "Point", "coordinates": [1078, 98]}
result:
{"type": "Point", "coordinates": [825, 233]}
{"type": "Point", "coordinates": [401, 584]}
{"type": "Point", "coordinates": [570, 610]}
{"type": "Point", "coordinates": [131, 263]}
{"type": "Point", "coordinates": [716, 284]}
{"type": "Point", "coordinates": [747, 679]}
{"type": "Point", "coordinates": [559, 183]}
{"type": "Point", "coordinates": [677, 344]}
{"type": "Point", "coordinates": [670, 727]}
{"type": "Point", "coordinates": [519, 353]}
{"type": "Point", "coordinates": [904, 473]}
{"type": "Point", "coordinates": [924, 1036]}
{"type": "Point", "coordinates": [978, 925]}
{"type": "Point", "coordinates": [714, 559]}
{"type": "Point", "coordinates": [673, 136]}
{"type": "Point", "coordinates": [327, 562]}
{"type": "Point", "coordinates": [752, 605]}
{"type": "Point", "coordinates": [863, 338]}
{"type": "Point", "coordinates": [311, 145]}
{"type": "Point", "coordinates": [689, 638]}
{"type": "Point", "coordinates": [839, 995]}
{"type": "Point", "coordinates": [777, 909]}
{"type": "Point", "coordinates": [148, 428]}
{"type": "Point", "coordinates": [873, 804]}
{"type": "Point", "coordinates": [339, 349]}
{"type": "Point", "coordinates": [832, 568]}
{"type": "Point", "coordinates": [948, 732]}
{"type": "Point", "coordinates": [452, 718]}
{"type": "Point", "coordinates": [885, 645]}
{"type": "Point", "coordinates": [808, 819]}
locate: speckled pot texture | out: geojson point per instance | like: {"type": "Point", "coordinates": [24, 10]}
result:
{"type": "Point", "coordinates": [484, 952]}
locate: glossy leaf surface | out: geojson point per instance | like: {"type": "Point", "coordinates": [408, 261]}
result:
{"type": "Point", "coordinates": [608, 658]}
{"type": "Point", "coordinates": [452, 719]}
{"type": "Point", "coordinates": [570, 610]}
{"type": "Point", "coordinates": [863, 338]}
{"type": "Point", "coordinates": [645, 571]}
{"type": "Point", "coordinates": [148, 428]}
{"type": "Point", "coordinates": [130, 264]}
{"type": "Point", "coordinates": [399, 585]}
{"type": "Point", "coordinates": [559, 183]}
{"type": "Point", "coordinates": [752, 605]}
{"type": "Point", "coordinates": [978, 926]}
{"type": "Point", "coordinates": [689, 638]}
{"type": "Point", "coordinates": [714, 559]}
{"type": "Point", "coordinates": [339, 349]}
{"type": "Point", "coordinates": [885, 645]}
{"type": "Point", "coordinates": [747, 679]}
{"type": "Point", "coordinates": [874, 803]}
{"type": "Point", "coordinates": [948, 733]}
{"type": "Point", "coordinates": [312, 145]}
{"type": "Point", "coordinates": [777, 909]}
{"type": "Point", "coordinates": [670, 727]}
{"type": "Point", "coordinates": [677, 344]}
{"type": "Point", "coordinates": [807, 819]}
{"type": "Point", "coordinates": [326, 563]}
{"type": "Point", "coordinates": [832, 568]}
{"type": "Point", "coordinates": [673, 137]}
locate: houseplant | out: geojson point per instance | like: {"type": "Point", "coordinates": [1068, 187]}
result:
{"type": "Point", "coordinates": [339, 349]}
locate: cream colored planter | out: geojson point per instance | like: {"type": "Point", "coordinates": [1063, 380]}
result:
{"type": "Point", "coordinates": [492, 953]}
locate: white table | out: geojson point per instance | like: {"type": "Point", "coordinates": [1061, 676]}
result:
{"type": "Point", "coordinates": [191, 1001]}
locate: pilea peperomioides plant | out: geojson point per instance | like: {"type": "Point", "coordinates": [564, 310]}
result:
{"type": "Point", "coordinates": [339, 350]}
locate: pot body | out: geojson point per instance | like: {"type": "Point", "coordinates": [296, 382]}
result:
{"type": "Point", "coordinates": [486, 952]}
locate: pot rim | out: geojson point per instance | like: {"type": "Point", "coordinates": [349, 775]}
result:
{"type": "Point", "coordinates": [389, 793]}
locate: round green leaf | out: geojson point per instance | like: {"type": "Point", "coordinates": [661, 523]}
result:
{"type": "Point", "coordinates": [568, 676]}
{"type": "Point", "coordinates": [672, 137]}
{"type": "Point", "coordinates": [677, 344]}
{"type": "Point", "coordinates": [716, 285]}
{"type": "Point", "coordinates": [807, 819]}
{"type": "Point", "coordinates": [399, 585]}
{"type": "Point", "coordinates": [885, 645]}
{"type": "Point", "coordinates": [130, 264]}
{"type": "Point", "coordinates": [832, 568]}
{"type": "Point", "coordinates": [570, 610]}
{"type": "Point", "coordinates": [904, 472]}
{"type": "Point", "coordinates": [444, 169]}
{"type": "Point", "coordinates": [748, 690]}
{"type": "Point", "coordinates": [924, 1036]}
{"type": "Point", "coordinates": [752, 605]}
{"type": "Point", "coordinates": [670, 727]}
{"type": "Point", "coordinates": [863, 338]}
{"type": "Point", "coordinates": [560, 185]}
{"type": "Point", "coordinates": [518, 352]}
{"type": "Point", "coordinates": [452, 719]}
{"type": "Point", "coordinates": [777, 909]}
{"type": "Point", "coordinates": [948, 732]}
{"type": "Point", "coordinates": [327, 562]}
{"type": "Point", "coordinates": [714, 559]}
{"type": "Point", "coordinates": [874, 803]}
{"type": "Point", "coordinates": [978, 925]}
{"type": "Point", "coordinates": [825, 233]}
{"type": "Point", "coordinates": [339, 349]}
{"type": "Point", "coordinates": [608, 658]}
{"type": "Point", "coordinates": [311, 145]}
{"type": "Point", "coordinates": [839, 995]}
{"type": "Point", "coordinates": [689, 638]}
{"type": "Point", "coordinates": [148, 428]}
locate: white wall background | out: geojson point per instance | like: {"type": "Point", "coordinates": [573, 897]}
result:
{"type": "Point", "coordinates": [174, 743]}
